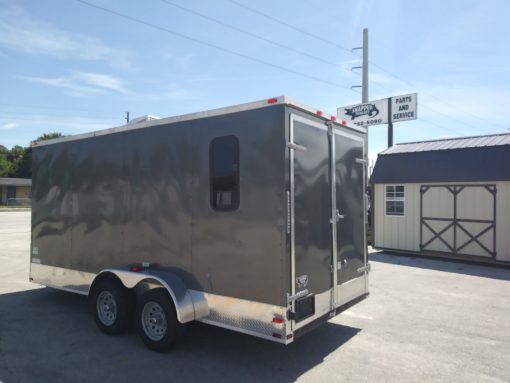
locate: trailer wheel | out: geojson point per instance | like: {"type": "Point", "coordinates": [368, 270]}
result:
{"type": "Point", "coordinates": [113, 306]}
{"type": "Point", "coordinates": [156, 320]}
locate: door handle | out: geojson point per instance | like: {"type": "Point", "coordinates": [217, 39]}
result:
{"type": "Point", "coordinates": [340, 216]}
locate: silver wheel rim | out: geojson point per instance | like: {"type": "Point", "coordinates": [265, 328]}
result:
{"type": "Point", "coordinates": [106, 308]}
{"type": "Point", "coordinates": [154, 321]}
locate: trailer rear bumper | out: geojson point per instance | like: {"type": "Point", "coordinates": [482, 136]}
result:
{"type": "Point", "coordinates": [324, 318]}
{"type": "Point", "coordinates": [274, 322]}
{"type": "Point", "coordinates": [345, 293]}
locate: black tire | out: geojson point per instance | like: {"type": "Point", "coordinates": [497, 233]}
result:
{"type": "Point", "coordinates": [162, 334]}
{"type": "Point", "coordinates": [116, 319]}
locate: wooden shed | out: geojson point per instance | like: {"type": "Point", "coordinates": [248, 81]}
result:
{"type": "Point", "coordinates": [446, 198]}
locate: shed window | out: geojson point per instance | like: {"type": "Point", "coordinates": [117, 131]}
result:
{"type": "Point", "coordinates": [224, 173]}
{"type": "Point", "coordinates": [395, 199]}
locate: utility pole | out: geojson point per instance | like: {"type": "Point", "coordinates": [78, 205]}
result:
{"type": "Point", "coordinates": [364, 86]}
{"type": "Point", "coordinates": [364, 68]}
{"type": "Point", "coordinates": [364, 93]}
{"type": "Point", "coordinates": [390, 123]}
{"type": "Point", "coordinates": [127, 117]}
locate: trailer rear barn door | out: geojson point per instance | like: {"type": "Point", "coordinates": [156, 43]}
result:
{"type": "Point", "coordinates": [327, 205]}
{"type": "Point", "coordinates": [349, 178]}
{"type": "Point", "coordinates": [311, 201]}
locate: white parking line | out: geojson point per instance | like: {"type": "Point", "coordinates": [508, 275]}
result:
{"type": "Point", "coordinates": [352, 314]}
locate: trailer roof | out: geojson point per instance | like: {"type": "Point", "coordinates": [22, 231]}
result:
{"type": "Point", "coordinates": [209, 113]}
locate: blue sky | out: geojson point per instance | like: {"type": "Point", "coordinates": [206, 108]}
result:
{"type": "Point", "coordinates": [68, 67]}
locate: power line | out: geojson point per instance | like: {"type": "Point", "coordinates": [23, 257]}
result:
{"type": "Point", "coordinates": [291, 26]}
{"type": "Point", "coordinates": [282, 22]}
{"type": "Point", "coordinates": [431, 95]}
{"type": "Point", "coordinates": [457, 132]}
{"type": "Point", "coordinates": [454, 131]}
{"type": "Point", "coordinates": [438, 111]}
{"type": "Point", "coordinates": [211, 45]}
{"type": "Point", "coordinates": [248, 33]}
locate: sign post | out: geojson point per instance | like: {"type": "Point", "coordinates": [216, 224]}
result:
{"type": "Point", "coordinates": [385, 111]}
{"type": "Point", "coordinates": [390, 125]}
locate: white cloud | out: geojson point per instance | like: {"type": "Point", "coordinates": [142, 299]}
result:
{"type": "Point", "coordinates": [102, 81]}
{"type": "Point", "coordinates": [9, 125]}
{"type": "Point", "coordinates": [82, 83]}
{"type": "Point", "coordinates": [19, 31]}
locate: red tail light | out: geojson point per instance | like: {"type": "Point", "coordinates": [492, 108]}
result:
{"type": "Point", "coordinates": [278, 320]}
{"type": "Point", "coordinates": [276, 335]}
{"type": "Point", "coordinates": [135, 268]}
{"type": "Point", "coordinates": [333, 118]}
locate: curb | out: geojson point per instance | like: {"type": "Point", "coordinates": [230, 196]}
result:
{"type": "Point", "coordinates": [15, 209]}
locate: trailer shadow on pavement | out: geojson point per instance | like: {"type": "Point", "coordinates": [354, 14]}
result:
{"type": "Point", "coordinates": [451, 266]}
{"type": "Point", "coordinates": [48, 335]}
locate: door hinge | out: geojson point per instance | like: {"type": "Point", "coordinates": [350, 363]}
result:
{"type": "Point", "coordinates": [337, 217]}
{"type": "Point", "coordinates": [292, 298]}
{"type": "Point", "coordinates": [293, 146]}
{"type": "Point", "coordinates": [329, 124]}
{"type": "Point", "coordinates": [288, 212]}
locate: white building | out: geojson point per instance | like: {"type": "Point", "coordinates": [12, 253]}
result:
{"type": "Point", "coordinates": [444, 198]}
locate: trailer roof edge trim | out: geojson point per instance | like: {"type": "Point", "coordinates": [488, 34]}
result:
{"type": "Point", "coordinates": [208, 113]}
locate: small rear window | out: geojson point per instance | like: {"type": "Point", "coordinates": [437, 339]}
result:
{"type": "Point", "coordinates": [224, 173]}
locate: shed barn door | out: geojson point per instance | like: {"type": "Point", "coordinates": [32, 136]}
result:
{"type": "Point", "coordinates": [458, 219]}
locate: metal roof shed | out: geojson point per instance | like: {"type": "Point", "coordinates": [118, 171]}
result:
{"type": "Point", "coordinates": [444, 197]}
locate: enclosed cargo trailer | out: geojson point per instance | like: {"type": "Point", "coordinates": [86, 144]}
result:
{"type": "Point", "coordinates": [250, 217]}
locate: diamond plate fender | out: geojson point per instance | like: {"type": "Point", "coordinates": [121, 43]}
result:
{"type": "Point", "coordinates": [188, 306]}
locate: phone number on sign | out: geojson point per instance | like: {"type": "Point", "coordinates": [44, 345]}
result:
{"type": "Point", "coordinates": [369, 122]}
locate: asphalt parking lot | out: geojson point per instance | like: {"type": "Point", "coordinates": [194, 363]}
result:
{"type": "Point", "coordinates": [425, 320]}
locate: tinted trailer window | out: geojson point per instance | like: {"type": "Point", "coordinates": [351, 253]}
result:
{"type": "Point", "coordinates": [224, 171]}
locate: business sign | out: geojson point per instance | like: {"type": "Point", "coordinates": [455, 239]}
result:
{"type": "Point", "coordinates": [404, 107]}
{"type": "Point", "coordinates": [376, 112]}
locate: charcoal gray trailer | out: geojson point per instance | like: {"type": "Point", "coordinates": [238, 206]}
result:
{"type": "Point", "coordinates": [251, 218]}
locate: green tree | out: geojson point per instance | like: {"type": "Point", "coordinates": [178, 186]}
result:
{"type": "Point", "coordinates": [15, 157]}
{"type": "Point", "coordinates": [5, 167]}
{"type": "Point", "coordinates": [17, 162]}
{"type": "Point", "coordinates": [5, 164]}
{"type": "Point", "coordinates": [49, 136]}
{"type": "Point", "coordinates": [25, 164]}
